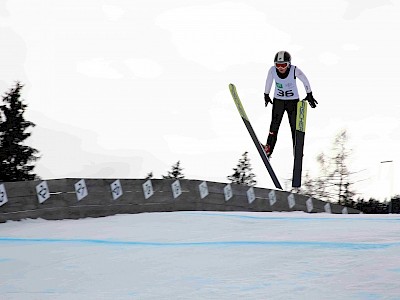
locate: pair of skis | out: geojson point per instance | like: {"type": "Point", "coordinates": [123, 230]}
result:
{"type": "Point", "coordinates": [298, 149]}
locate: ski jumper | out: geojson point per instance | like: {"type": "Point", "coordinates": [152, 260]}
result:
{"type": "Point", "coordinates": [286, 97]}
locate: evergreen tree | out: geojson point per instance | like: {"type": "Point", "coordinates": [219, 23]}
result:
{"type": "Point", "coordinates": [335, 181]}
{"type": "Point", "coordinates": [175, 173]}
{"type": "Point", "coordinates": [15, 157]}
{"type": "Point", "coordinates": [340, 174]}
{"type": "Point", "coordinates": [243, 174]}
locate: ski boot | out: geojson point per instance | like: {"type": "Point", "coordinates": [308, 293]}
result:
{"type": "Point", "coordinates": [267, 149]}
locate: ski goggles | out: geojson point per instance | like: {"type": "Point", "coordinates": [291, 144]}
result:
{"type": "Point", "coordinates": [281, 65]}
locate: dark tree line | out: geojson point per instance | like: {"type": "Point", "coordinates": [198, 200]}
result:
{"type": "Point", "coordinates": [374, 206]}
{"type": "Point", "coordinates": [16, 158]}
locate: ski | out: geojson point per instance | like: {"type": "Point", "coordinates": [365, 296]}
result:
{"type": "Point", "coordinates": [259, 147]}
{"type": "Point", "coordinates": [299, 142]}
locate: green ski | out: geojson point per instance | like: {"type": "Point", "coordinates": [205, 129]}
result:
{"type": "Point", "coordinates": [259, 147]}
{"type": "Point", "coordinates": [299, 144]}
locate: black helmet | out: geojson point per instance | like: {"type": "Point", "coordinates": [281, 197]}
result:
{"type": "Point", "coordinates": [282, 56]}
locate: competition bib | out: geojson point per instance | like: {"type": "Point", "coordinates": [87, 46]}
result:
{"type": "Point", "coordinates": [286, 89]}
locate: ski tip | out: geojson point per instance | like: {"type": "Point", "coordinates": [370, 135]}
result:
{"type": "Point", "coordinates": [232, 89]}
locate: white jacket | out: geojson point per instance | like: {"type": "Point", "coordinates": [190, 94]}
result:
{"type": "Point", "coordinates": [286, 89]}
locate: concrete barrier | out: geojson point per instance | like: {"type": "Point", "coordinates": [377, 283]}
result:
{"type": "Point", "coordinates": [73, 198]}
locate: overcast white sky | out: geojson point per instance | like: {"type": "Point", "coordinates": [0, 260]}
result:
{"type": "Point", "coordinates": [121, 88]}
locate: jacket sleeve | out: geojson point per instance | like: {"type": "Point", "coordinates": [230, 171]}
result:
{"type": "Point", "coordinates": [270, 79]}
{"type": "Point", "coordinates": [299, 74]}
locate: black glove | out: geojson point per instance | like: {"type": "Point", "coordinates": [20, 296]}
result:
{"type": "Point", "coordinates": [267, 99]}
{"type": "Point", "coordinates": [311, 100]}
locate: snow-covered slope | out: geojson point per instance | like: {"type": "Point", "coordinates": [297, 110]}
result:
{"type": "Point", "coordinates": [202, 255]}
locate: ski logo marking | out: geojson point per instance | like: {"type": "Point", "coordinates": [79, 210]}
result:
{"type": "Point", "coordinates": [301, 116]}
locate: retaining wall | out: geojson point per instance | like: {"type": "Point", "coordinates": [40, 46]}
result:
{"type": "Point", "coordinates": [79, 198]}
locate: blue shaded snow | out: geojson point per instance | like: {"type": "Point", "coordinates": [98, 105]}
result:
{"type": "Point", "coordinates": [292, 218]}
{"type": "Point", "coordinates": [308, 244]}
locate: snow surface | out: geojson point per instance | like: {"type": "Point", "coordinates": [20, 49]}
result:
{"type": "Point", "coordinates": [202, 255]}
